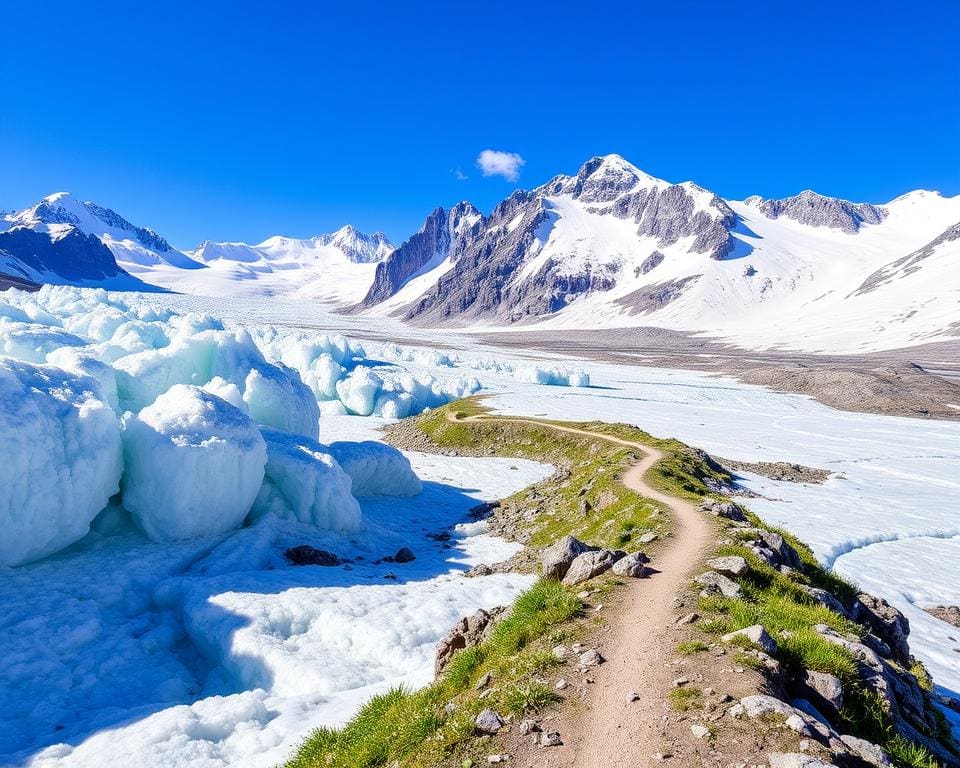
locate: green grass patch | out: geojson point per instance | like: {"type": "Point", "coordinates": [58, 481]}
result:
{"type": "Point", "coordinates": [691, 647]}
{"type": "Point", "coordinates": [685, 699]}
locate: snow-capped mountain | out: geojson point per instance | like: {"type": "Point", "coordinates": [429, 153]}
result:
{"type": "Point", "coordinates": [131, 246]}
{"type": "Point", "coordinates": [335, 267]}
{"type": "Point", "coordinates": [614, 247]}
{"type": "Point", "coordinates": [64, 240]}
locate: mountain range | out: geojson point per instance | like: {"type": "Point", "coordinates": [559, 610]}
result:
{"type": "Point", "coordinates": [608, 247]}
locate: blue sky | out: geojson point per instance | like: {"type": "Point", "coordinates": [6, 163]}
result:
{"type": "Point", "coordinates": [235, 121]}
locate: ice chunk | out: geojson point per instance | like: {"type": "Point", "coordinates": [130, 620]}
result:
{"type": "Point", "coordinates": [32, 343]}
{"type": "Point", "coordinates": [81, 360]}
{"type": "Point", "coordinates": [274, 394]}
{"type": "Point", "coordinates": [358, 392]}
{"type": "Point", "coordinates": [60, 459]}
{"type": "Point", "coordinates": [305, 483]}
{"type": "Point", "coordinates": [226, 390]}
{"type": "Point", "coordinates": [377, 469]}
{"type": "Point", "coordinates": [194, 465]}
{"type": "Point", "coordinates": [532, 374]}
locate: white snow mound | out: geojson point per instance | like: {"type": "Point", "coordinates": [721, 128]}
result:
{"type": "Point", "coordinates": [60, 459]}
{"type": "Point", "coordinates": [194, 465]}
{"type": "Point", "coordinates": [303, 482]}
{"type": "Point", "coordinates": [377, 469]}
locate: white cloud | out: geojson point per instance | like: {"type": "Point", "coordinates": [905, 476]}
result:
{"type": "Point", "coordinates": [459, 175]}
{"type": "Point", "coordinates": [492, 162]}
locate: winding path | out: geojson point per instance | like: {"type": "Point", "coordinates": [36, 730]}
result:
{"type": "Point", "coordinates": [611, 731]}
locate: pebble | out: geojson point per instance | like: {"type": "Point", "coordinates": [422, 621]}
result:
{"type": "Point", "coordinates": [561, 684]}
{"type": "Point", "coordinates": [700, 731]}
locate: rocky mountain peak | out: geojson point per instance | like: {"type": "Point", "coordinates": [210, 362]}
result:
{"type": "Point", "coordinates": [816, 210]}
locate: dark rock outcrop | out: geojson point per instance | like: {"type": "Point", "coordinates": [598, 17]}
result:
{"type": "Point", "coordinates": [466, 633]}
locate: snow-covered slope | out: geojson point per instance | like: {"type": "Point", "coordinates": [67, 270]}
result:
{"type": "Point", "coordinates": [335, 267]}
{"type": "Point", "coordinates": [615, 247]}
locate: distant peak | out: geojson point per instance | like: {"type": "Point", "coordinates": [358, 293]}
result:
{"type": "Point", "coordinates": [57, 197]}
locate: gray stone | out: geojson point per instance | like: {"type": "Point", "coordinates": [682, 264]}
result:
{"type": "Point", "coordinates": [824, 598]}
{"type": "Point", "coordinates": [526, 727]}
{"type": "Point", "coordinates": [589, 564]}
{"type": "Point", "coordinates": [711, 581]}
{"type": "Point", "coordinates": [556, 559]}
{"type": "Point", "coordinates": [756, 635]}
{"type": "Point", "coordinates": [819, 211]}
{"type": "Point", "coordinates": [733, 565]}
{"type": "Point", "coordinates": [700, 731]}
{"type": "Point", "coordinates": [488, 721]}
{"type": "Point", "coordinates": [633, 565]}
{"type": "Point", "coordinates": [823, 689]}
{"type": "Point", "coordinates": [867, 751]}
{"type": "Point", "coordinates": [549, 739]}
{"type": "Point", "coordinates": [591, 658]}
{"type": "Point", "coordinates": [466, 633]}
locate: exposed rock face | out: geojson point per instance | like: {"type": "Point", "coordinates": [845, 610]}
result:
{"type": "Point", "coordinates": [444, 234]}
{"type": "Point", "coordinates": [887, 622]}
{"type": "Point", "coordinates": [489, 253]}
{"type": "Point", "coordinates": [909, 263]}
{"type": "Point", "coordinates": [73, 256]}
{"type": "Point", "coordinates": [557, 558]}
{"type": "Point", "coordinates": [650, 298]}
{"type": "Point", "coordinates": [947, 613]}
{"type": "Point", "coordinates": [466, 633]}
{"type": "Point", "coordinates": [819, 211]}
{"type": "Point", "coordinates": [823, 690]}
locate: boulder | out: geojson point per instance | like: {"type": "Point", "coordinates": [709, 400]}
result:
{"type": "Point", "coordinates": [887, 622]}
{"type": "Point", "coordinates": [824, 598]}
{"type": "Point", "coordinates": [556, 558]}
{"type": "Point", "coordinates": [589, 564]}
{"type": "Point", "coordinates": [733, 565]}
{"type": "Point", "coordinates": [489, 722]}
{"type": "Point", "coordinates": [404, 555]}
{"type": "Point", "coordinates": [633, 565]}
{"type": "Point", "coordinates": [466, 633]}
{"type": "Point", "coordinates": [725, 509]}
{"type": "Point", "coordinates": [307, 555]}
{"type": "Point", "coordinates": [824, 690]}
{"type": "Point", "coordinates": [756, 635]}
{"type": "Point", "coordinates": [867, 751]}
{"type": "Point", "coordinates": [711, 581]}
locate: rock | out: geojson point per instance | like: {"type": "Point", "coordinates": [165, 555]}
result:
{"type": "Point", "coordinates": [589, 564]}
{"type": "Point", "coordinates": [824, 598]}
{"type": "Point", "coordinates": [633, 565]}
{"type": "Point", "coordinates": [497, 758]}
{"type": "Point", "coordinates": [489, 722]}
{"type": "Point", "coordinates": [733, 565]}
{"type": "Point", "coordinates": [561, 684]}
{"type": "Point", "coordinates": [725, 509]}
{"type": "Point", "coordinates": [948, 613]}
{"type": "Point", "coordinates": [556, 559]}
{"type": "Point", "coordinates": [824, 690]}
{"type": "Point", "coordinates": [756, 635]}
{"type": "Point", "coordinates": [307, 555]}
{"type": "Point", "coordinates": [649, 537]}
{"type": "Point", "coordinates": [887, 622]}
{"type": "Point", "coordinates": [404, 555]}
{"type": "Point", "coordinates": [466, 633]}
{"type": "Point", "coordinates": [796, 760]}
{"type": "Point", "coordinates": [479, 570]}
{"type": "Point", "coordinates": [700, 731]}
{"type": "Point", "coordinates": [762, 706]}
{"type": "Point", "coordinates": [690, 618]}
{"type": "Point", "coordinates": [526, 727]}
{"type": "Point", "coordinates": [560, 652]}
{"type": "Point", "coordinates": [633, 696]}
{"type": "Point", "coordinates": [585, 507]}
{"type": "Point", "coordinates": [712, 581]}
{"type": "Point", "coordinates": [549, 739]}
{"type": "Point", "coordinates": [867, 751]}
{"type": "Point", "coordinates": [787, 554]}
{"type": "Point", "coordinates": [484, 681]}
{"type": "Point", "coordinates": [591, 658]}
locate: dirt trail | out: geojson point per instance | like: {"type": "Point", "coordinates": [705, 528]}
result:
{"type": "Point", "coordinates": [612, 731]}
